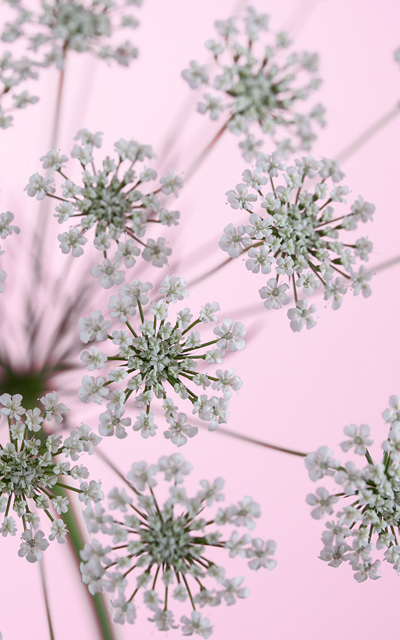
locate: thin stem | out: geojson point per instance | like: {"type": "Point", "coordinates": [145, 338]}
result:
{"type": "Point", "coordinates": [369, 133]}
{"type": "Point", "coordinates": [155, 577]}
{"type": "Point", "coordinates": [200, 159]}
{"type": "Point", "coordinates": [8, 505]}
{"type": "Point", "coordinates": [65, 486]}
{"type": "Point", "coordinates": [209, 273]}
{"type": "Point", "coordinates": [42, 217]}
{"type": "Point", "coordinates": [56, 122]}
{"type": "Point", "coordinates": [189, 592]}
{"type": "Point", "coordinates": [368, 456]}
{"type": "Point", "coordinates": [294, 288]}
{"type": "Point", "coordinates": [345, 275]}
{"type": "Point", "coordinates": [131, 329]}
{"type": "Point", "coordinates": [46, 599]}
{"type": "Point", "coordinates": [76, 542]}
{"type": "Point", "coordinates": [140, 311]}
{"type": "Point", "coordinates": [260, 443]}
{"type": "Point", "coordinates": [200, 346]}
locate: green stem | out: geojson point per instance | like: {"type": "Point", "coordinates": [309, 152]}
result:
{"type": "Point", "coordinates": [364, 137]}
{"type": "Point", "coordinates": [76, 543]}
{"type": "Point", "coordinates": [189, 592]}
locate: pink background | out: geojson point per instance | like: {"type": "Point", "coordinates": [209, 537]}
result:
{"type": "Point", "coordinates": [299, 390]}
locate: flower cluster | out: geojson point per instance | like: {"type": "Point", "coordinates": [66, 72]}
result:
{"type": "Point", "coordinates": [14, 71]}
{"type": "Point", "coordinates": [258, 85]}
{"type": "Point", "coordinates": [6, 229]}
{"type": "Point", "coordinates": [372, 512]}
{"type": "Point", "coordinates": [299, 233]}
{"type": "Point", "coordinates": [53, 28]}
{"type": "Point", "coordinates": [166, 546]}
{"type": "Point", "coordinates": [110, 200]}
{"type": "Point", "coordinates": [32, 476]}
{"type": "Point", "coordinates": [155, 354]}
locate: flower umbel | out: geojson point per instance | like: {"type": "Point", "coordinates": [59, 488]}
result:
{"type": "Point", "coordinates": [166, 547]}
{"type": "Point", "coordinates": [111, 201]}
{"type": "Point", "coordinates": [157, 356]}
{"type": "Point", "coordinates": [31, 472]}
{"type": "Point", "coordinates": [371, 516]}
{"type": "Point", "coordinates": [298, 236]}
{"type": "Point", "coordinates": [62, 25]}
{"type": "Point", "coordinates": [258, 86]}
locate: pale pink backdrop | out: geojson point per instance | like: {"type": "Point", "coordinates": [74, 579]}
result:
{"type": "Point", "coordinates": [299, 390]}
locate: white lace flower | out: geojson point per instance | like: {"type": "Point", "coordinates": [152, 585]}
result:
{"type": "Point", "coordinates": [32, 474]}
{"type": "Point", "coordinates": [369, 498]}
{"type": "Point", "coordinates": [116, 202]}
{"type": "Point", "coordinates": [156, 355]}
{"type": "Point", "coordinates": [196, 624]}
{"type": "Point", "coordinates": [165, 548]}
{"type": "Point", "coordinates": [301, 315]}
{"type": "Point", "coordinates": [259, 86]}
{"type": "Point", "coordinates": [108, 274]}
{"type": "Point", "coordinates": [261, 552]}
{"type": "Point", "coordinates": [358, 437]}
{"type": "Point", "coordinates": [298, 235]}
{"type": "Point", "coordinates": [80, 26]}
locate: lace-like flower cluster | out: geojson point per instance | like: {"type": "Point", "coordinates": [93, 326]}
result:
{"type": "Point", "coordinates": [110, 200]}
{"type": "Point", "coordinates": [13, 72]}
{"type": "Point", "coordinates": [156, 356]}
{"type": "Point", "coordinates": [55, 27]}
{"type": "Point", "coordinates": [167, 545]}
{"type": "Point", "coordinates": [6, 229]}
{"type": "Point", "coordinates": [371, 515]}
{"type": "Point", "coordinates": [299, 233]}
{"type": "Point", "coordinates": [258, 85]}
{"type": "Point", "coordinates": [32, 476]}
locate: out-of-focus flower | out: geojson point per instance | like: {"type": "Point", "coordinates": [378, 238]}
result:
{"type": "Point", "coordinates": [166, 547]}
{"type": "Point", "coordinates": [52, 28]}
{"type": "Point", "coordinates": [370, 516]}
{"type": "Point", "coordinates": [6, 229]}
{"type": "Point", "coordinates": [13, 72]}
{"type": "Point", "coordinates": [258, 86]}
{"type": "Point", "coordinates": [158, 355]}
{"type": "Point", "coordinates": [298, 236]}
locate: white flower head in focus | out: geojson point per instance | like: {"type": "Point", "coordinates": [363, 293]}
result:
{"type": "Point", "coordinates": [155, 356]}
{"type": "Point", "coordinates": [295, 232]}
{"type": "Point", "coordinates": [31, 472]}
{"type": "Point", "coordinates": [160, 550]}
{"type": "Point", "coordinates": [367, 499]}
{"type": "Point", "coordinates": [119, 201]}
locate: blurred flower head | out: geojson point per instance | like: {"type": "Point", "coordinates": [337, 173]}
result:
{"type": "Point", "coordinates": [257, 84]}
